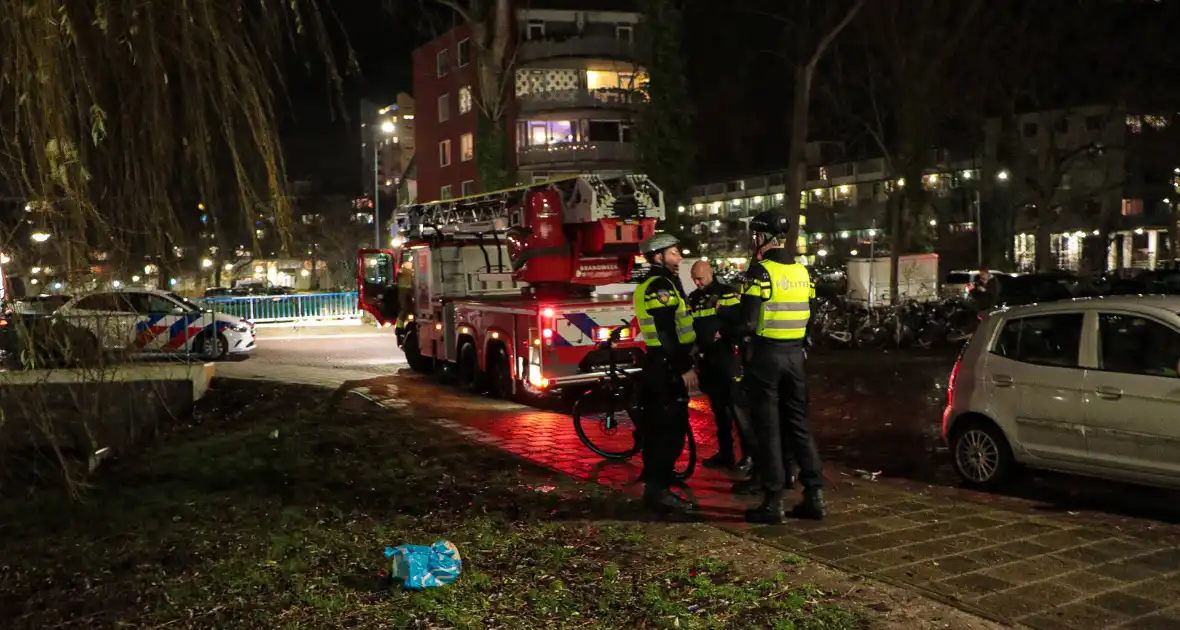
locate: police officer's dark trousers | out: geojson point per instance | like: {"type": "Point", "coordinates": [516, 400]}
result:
{"type": "Point", "coordinates": [665, 421]}
{"type": "Point", "coordinates": [720, 369]}
{"type": "Point", "coordinates": [777, 386]}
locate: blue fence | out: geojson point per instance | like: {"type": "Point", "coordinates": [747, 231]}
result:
{"type": "Point", "coordinates": [282, 308]}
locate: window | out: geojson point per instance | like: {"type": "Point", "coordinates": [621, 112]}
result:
{"type": "Point", "coordinates": [467, 188]}
{"type": "Point", "coordinates": [1136, 345]}
{"type": "Point", "coordinates": [464, 52]}
{"type": "Point", "coordinates": [1093, 123]}
{"type": "Point", "coordinates": [536, 29]}
{"type": "Point", "coordinates": [108, 302]}
{"type": "Point", "coordinates": [466, 147]}
{"type": "Point", "coordinates": [1030, 129]}
{"type": "Point", "coordinates": [444, 108]}
{"type": "Point", "coordinates": [1052, 340]}
{"type": "Point", "coordinates": [444, 153]}
{"type": "Point", "coordinates": [445, 192]}
{"type": "Point", "coordinates": [464, 99]}
{"type": "Point", "coordinates": [624, 32]}
{"type": "Point", "coordinates": [443, 62]}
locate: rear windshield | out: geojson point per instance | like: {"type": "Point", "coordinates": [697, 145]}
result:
{"type": "Point", "coordinates": [958, 278]}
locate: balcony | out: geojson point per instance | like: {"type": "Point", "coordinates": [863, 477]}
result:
{"type": "Point", "coordinates": [591, 46]}
{"type": "Point", "coordinates": [575, 153]}
{"type": "Point", "coordinates": [610, 98]}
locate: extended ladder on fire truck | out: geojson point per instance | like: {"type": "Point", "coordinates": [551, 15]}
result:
{"type": "Point", "coordinates": [585, 199]}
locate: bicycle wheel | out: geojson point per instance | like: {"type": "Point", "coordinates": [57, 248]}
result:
{"type": "Point", "coordinates": [687, 465]}
{"type": "Point", "coordinates": [605, 423]}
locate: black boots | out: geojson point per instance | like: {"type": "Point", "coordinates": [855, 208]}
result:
{"type": "Point", "coordinates": [720, 460]}
{"type": "Point", "coordinates": [664, 501]}
{"type": "Point", "coordinates": [770, 512]}
{"type": "Point", "coordinates": [812, 507]}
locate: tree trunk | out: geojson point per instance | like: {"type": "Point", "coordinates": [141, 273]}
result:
{"type": "Point", "coordinates": [796, 174]}
{"type": "Point", "coordinates": [1174, 232]}
{"type": "Point", "coordinates": [1044, 252]}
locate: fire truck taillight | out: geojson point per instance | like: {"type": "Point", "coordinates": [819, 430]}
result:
{"type": "Point", "coordinates": [547, 313]}
{"type": "Point", "coordinates": [547, 333]}
{"type": "Point", "coordinates": [438, 326]}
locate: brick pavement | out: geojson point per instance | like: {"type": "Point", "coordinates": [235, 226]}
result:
{"type": "Point", "coordinates": [1039, 571]}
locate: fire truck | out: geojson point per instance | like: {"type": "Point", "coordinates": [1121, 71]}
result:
{"type": "Point", "coordinates": [508, 287]}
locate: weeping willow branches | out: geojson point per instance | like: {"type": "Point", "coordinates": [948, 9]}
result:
{"type": "Point", "coordinates": [117, 115]}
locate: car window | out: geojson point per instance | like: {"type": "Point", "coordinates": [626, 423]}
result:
{"type": "Point", "coordinates": [958, 278]}
{"type": "Point", "coordinates": [1052, 340]}
{"type": "Point", "coordinates": [1136, 345]}
{"type": "Point", "coordinates": [160, 304]}
{"type": "Point", "coordinates": [97, 302]}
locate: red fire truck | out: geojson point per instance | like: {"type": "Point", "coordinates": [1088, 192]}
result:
{"type": "Point", "coordinates": [507, 286]}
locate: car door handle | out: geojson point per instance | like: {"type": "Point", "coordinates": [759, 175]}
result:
{"type": "Point", "coordinates": [1109, 393]}
{"type": "Point", "coordinates": [1002, 380]}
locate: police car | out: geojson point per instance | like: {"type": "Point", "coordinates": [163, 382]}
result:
{"type": "Point", "coordinates": [158, 322]}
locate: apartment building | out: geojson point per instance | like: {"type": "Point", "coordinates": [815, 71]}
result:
{"type": "Point", "coordinates": [576, 91]}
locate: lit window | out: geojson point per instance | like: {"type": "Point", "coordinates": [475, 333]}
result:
{"type": "Point", "coordinates": [444, 153]}
{"type": "Point", "coordinates": [444, 108]}
{"type": "Point", "coordinates": [466, 147]}
{"type": "Point", "coordinates": [464, 99]}
{"type": "Point", "coordinates": [464, 52]}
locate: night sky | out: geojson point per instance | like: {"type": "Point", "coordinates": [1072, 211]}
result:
{"type": "Point", "coordinates": [739, 83]}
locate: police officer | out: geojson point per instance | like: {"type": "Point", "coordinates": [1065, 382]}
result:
{"type": "Point", "coordinates": [776, 307]}
{"type": "Point", "coordinates": [668, 372]}
{"type": "Point", "coordinates": [715, 314]}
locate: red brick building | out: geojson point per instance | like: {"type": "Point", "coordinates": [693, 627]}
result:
{"type": "Point", "coordinates": [444, 77]}
{"type": "Point", "coordinates": [577, 91]}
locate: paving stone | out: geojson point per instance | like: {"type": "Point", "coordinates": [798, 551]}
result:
{"type": "Point", "coordinates": [1163, 621]}
{"type": "Point", "coordinates": [983, 521]}
{"type": "Point", "coordinates": [876, 543]}
{"type": "Point", "coordinates": [1125, 604]}
{"type": "Point", "coordinates": [1164, 589]}
{"type": "Point", "coordinates": [1166, 560]}
{"type": "Point", "coordinates": [1061, 539]}
{"type": "Point", "coordinates": [991, 556]}
{"type": "Point", "coordinates": [1086, 581]}
{"type": "Point", "coordinates": [894, 523]}
{"type": "Point", "coordinates": [1074, 617]}
{"type": "Point", "coordinates": [977, 585]}
{"type": "Point", "coordinates": [1019, 548]}
{"type": "Point", "coordinates": [1130, 570]}
{"type": "Point", "coordinates": [1032, 569]}
{"type": "Point", "coordinates": [836, 551]}
{"type": "Point", "coordinates": [915, 573]}
{"type": "Point", "coordinates": [1013, 606]}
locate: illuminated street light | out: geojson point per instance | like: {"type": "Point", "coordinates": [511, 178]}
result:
{"type": "Point", "coordinates": [135, 278]}
{"type": "Point", "coordinates": [397, 241]}
{"type": "Point", "coordinates": [116, 284]}
{"type": "Point", "coordinates": [228, 267]}
{"type": "Point", "coordinates": [821, 253]}
{"type": "Point", "coordinates": [206, 263]}
{"type": "Point", "coordinates": [40, 237]}
{"type": "Point", "coordinates": [149, 269]}
{"type": "Point", "coordinates": [387, 127]}
{"type": "Point", "coordinates": [4, 259]}
{"type": "Point", "coordinates": [933, 222]}
{"type": "Point", "coordinates": [1002, 176]}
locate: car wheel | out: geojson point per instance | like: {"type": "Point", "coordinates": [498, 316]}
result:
{"type": "Point", "coordinates": [212, 347]}
{"type": "Point", "coordinates": [983, 458]}
{"type": "Point", "coordinates": [499, 374]}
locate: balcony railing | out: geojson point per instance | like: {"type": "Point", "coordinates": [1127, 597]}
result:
{"type": "Point", "coordinates": [578, 98]}
{"type": "Point", "coordinates": [591, 46]}
{"type": "Point", "coordinates": [576, 152]}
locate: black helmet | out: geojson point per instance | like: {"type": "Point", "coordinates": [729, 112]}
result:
{"type": "Point", "coordinates": [770, 222]}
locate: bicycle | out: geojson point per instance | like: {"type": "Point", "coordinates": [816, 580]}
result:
{"type": "Point", "coordinates": [612, 406]}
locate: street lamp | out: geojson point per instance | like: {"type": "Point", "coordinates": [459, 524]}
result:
{"type": "Point", "coordinates": [386, 128]}
{"type": "Point", "coordinates": [1002, 176]}
{"type": "Point", "coordinates": [39, 237]}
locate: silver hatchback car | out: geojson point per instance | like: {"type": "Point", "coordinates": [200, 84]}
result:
{"type": "Point", "coordinates": [1085, 386]}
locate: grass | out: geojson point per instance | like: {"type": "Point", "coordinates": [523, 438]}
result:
{"type": "Point", "coordinates": [272, 511]}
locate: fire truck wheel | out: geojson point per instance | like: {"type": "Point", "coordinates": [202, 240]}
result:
{"type": "Point", "coordinates": [499, 374]}
{"type": "Point", "coordinates": [468, 373]}
{"type": "Point", "coordinates": [414, 357]}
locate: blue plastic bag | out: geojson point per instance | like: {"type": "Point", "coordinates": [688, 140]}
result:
{"type": "Point", "coordinates": [420, 567]}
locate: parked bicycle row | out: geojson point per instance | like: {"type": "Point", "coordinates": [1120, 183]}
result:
{"type": "Point", "coordinates": [842, 323]}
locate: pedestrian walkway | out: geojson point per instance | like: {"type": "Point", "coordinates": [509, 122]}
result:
{"type": "Point", "coordinates": [1045, 572]}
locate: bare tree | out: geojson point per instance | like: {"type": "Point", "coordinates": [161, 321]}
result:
{"type": "Point", "coordinates": [810, 28]}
